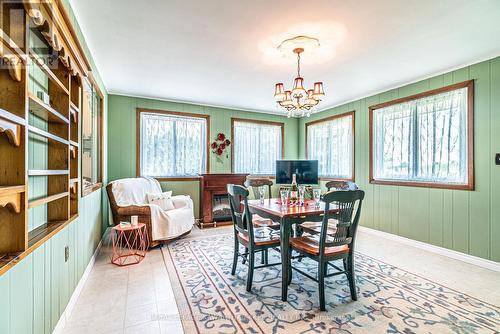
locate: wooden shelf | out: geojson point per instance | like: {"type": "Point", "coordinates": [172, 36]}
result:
{"type": "Point", "coordinates": [47, 71]}
{"type": "Point", "coordinates": [72, 149]}
{"type": "Point", "coordinates": [47, 172]}
{"type": "Point", "coordinates": [45, 200]}
{"type": "Point", "coordinates": [11, 44]}
{"type": "Point", "coordinates": [73, 186]}
{"type": "Point", "coordinates": [74, 115]}
{"type": "Point", "coordinates": [36, 238]}
{"type": "Point", "coordinates": [12, 130]}
{"type": "Point", "coordinates": [74, 107]}
{"type": "Point", "coordinates": [10, 196]}
{"type": "Point", "coordinates": [44, 111]}
{"type": "Point", "coordinates": [11, 117]}
{"type": "Point", "coordinates": [48, 135]}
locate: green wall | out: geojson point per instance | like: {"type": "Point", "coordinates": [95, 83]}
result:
{"type": "Point", "coordinates": [122, 137]}
{"type": "Point", "coordinates": [35, 292]}
{"type": "Point", "coordinates": [465, 221]}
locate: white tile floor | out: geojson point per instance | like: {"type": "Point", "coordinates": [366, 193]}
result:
{"type": "Point", "coordinates": [133, 299]}
{"type": "Point", "coordinates": [139, 298]}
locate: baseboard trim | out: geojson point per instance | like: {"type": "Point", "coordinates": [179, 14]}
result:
{"type": "Point", "coordinates": [488, 264]}
{"type": "Point", "coordinates": [59, 328]}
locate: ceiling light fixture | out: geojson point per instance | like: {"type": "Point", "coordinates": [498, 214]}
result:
{"type": "Point", "coordinates": [298, 101]}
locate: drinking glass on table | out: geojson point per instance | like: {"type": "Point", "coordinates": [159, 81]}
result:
{"type": "Point", "coordinates": [317, 197]}
{"type": "Point", "coordinates": [284, 197]}
{"type": "Point", "coordinates": [302, 194]}
{"type": "Point", "coordinates": [262, 192]}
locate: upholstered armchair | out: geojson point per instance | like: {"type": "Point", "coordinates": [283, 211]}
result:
{"type": "Point", "coordinates": [128, 197]}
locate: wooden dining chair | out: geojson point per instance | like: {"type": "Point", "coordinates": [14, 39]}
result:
{"type": "Point", "coordinates": [340, 246]}
{"type": "Point", "coordinates": [254, 239]}
{"type": "Point", "coordinates": [254, 184]}
{"type": "Point", "coordinates": [315, 227]}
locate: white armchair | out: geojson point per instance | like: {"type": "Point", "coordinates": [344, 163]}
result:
{"type": "Point", "coordinates": [128, 197]}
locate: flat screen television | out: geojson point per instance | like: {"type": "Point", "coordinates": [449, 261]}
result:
{"type": "Point", "coordinates": [306, 171]}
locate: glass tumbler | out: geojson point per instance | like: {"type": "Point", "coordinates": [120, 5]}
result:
{"type": "Point", "coordinates": [262, 193]}
{"type": "Point", "coordinates": [317, 197]}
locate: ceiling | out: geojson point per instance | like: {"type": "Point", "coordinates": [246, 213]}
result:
{"type": "Point", "coordinates": [223, 52]}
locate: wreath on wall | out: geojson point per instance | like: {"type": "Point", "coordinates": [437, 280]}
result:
{"type": "Point", "coordinates": [219, 146]}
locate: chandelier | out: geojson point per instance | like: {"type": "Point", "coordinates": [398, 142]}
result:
{"type": "Point", "coordinates": [298, 101]}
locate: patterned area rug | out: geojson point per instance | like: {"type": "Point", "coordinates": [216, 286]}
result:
{"type": "Point", "coordinates": [390, 300]}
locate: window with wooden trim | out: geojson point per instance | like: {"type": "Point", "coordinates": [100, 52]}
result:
{"type": "Point", "coordinates": [256, 146]}
{"type": "Point", "coordinates": [172, 145]}
{"type": "Point", "coordinates": [331, 142]}
{"type": "Point", "coordinates": [424, 140]}
{"type": "Point", "coordinates": [92, 106]}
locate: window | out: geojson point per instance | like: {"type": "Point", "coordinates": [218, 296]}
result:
{"type": "Point", "coordinates": [424, 140]}
{"type": "Point", "coordinates": [91, 137]}
{"type": "Point", "coordinates": [331, 142]}
{"type": "Point", "coordinates": [172, 144]}
{"type": "Point", "coordinates": [256, 146]}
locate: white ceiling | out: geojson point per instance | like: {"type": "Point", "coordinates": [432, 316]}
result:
{"type": "Point", "coordinates": [222, 52]}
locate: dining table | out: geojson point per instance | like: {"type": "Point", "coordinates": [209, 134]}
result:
{"type": "Point", "coordinates": [287, 216]}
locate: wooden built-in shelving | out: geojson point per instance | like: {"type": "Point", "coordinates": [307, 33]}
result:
{"type": "Point", "coordinates": [47, 172]}
{"type": "Point", "coordinates": [11, 197]}
{"type": "Point", "coordinates": [48, 135]}
{"type": "Point", "coordinates": [45, 200]}
{"type": "Point", "coordinates": [25, 119]}
{"type": "Point", "coordinates": [44, 111]}
{"type": "Point", "coordinates": [41, 63]}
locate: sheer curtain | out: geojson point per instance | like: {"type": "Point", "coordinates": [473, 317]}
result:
{"type": "Point", "coordinates": [256, 148]}
{"type": "Point", "coordinates": [332, 144]}
{"type": "Point", "coordinates": [172, 145]}
{"type": "Point", "coordinates": [423, 140]}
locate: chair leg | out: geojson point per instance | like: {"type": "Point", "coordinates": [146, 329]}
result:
{"type": "Point", "coordinates": [321, 282]}
{"type": "Point", "coordinates": [290, 266]}
{"type": "Point", "coordinates": [352, 278]}
{"type": "Point", "coordinates": [251, 264]}
{"type": "Point", "coordinates": [266, 256]}
{"type": "Point", "coordinates": [246, 251]}
{"type": "Point", "coordinates": [263, 256]}
{"type": "Point", "coordinates": [235, 257]}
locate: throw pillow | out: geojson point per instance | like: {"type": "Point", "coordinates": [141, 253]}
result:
{"type": "Point", "coordinates": [163, 200]}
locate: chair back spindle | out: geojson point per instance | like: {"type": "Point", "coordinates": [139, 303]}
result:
{"type": "Point", "coordinates": [242, 219]}
{"type": "Point", "coordinates": [348, 204]}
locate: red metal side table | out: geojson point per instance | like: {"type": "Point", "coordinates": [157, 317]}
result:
{"type": "Point", "coordinates": [130, 244]}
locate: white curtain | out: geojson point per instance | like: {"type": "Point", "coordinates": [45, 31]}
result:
{"type": "Point", "coordinates": [423, 140]}
{"type": "Point", "coordinates": [331, 143]}
{"type": "Point", "coordinates": [257, 146]}
{"type": "Point", "coordinates": [172, 145]}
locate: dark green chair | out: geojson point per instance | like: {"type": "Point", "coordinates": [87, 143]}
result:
{"type": "Point", "coordinates": [324, 248]}
{"type": "Point", "coordinates": [315, 227]}
{"type": "Point", "coordinates": [254, 240]}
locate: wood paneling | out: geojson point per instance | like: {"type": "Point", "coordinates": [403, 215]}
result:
{"type": "Point", "coordinates": [465, 221]}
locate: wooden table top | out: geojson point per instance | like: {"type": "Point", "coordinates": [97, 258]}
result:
{"type": "Point", "coordinates": [273, 207]}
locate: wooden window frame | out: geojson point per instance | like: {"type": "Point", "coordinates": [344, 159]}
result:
{"type": "Point", "coordinates": [327, 119]}
{"type": "Point", "coordinates": [245, 120]}
{"type": "Point", "coordinates": [87, 190]}
{"type": "Point", "coordinates": [469, 84]}
{"type": "Point", "coordinates": [139, 111]}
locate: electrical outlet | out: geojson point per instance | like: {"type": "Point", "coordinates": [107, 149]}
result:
{"type": "Point", "coordinates": [497, 159]}
{"type": "Point", "coordinates": [66, 254]}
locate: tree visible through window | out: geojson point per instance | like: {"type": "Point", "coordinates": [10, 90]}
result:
{"type": "Point", "coordinates": [256, 146]}
{"type": "Point", "coordinates": [423, 140]}
{"type": "Point", "coordinates": [172, 145]}
{"type": "Point", "coordinates": [331, 142]}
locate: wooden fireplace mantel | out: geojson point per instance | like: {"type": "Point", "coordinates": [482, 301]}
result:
{"type": "Point", "coordinates": [216, 184]}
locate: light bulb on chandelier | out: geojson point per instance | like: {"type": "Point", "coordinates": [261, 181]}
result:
{"type": "Point", "coordinates": [298, 101]}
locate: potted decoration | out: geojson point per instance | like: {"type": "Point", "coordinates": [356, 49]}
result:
{"type": "Point", "coordinates": [219, 146]}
